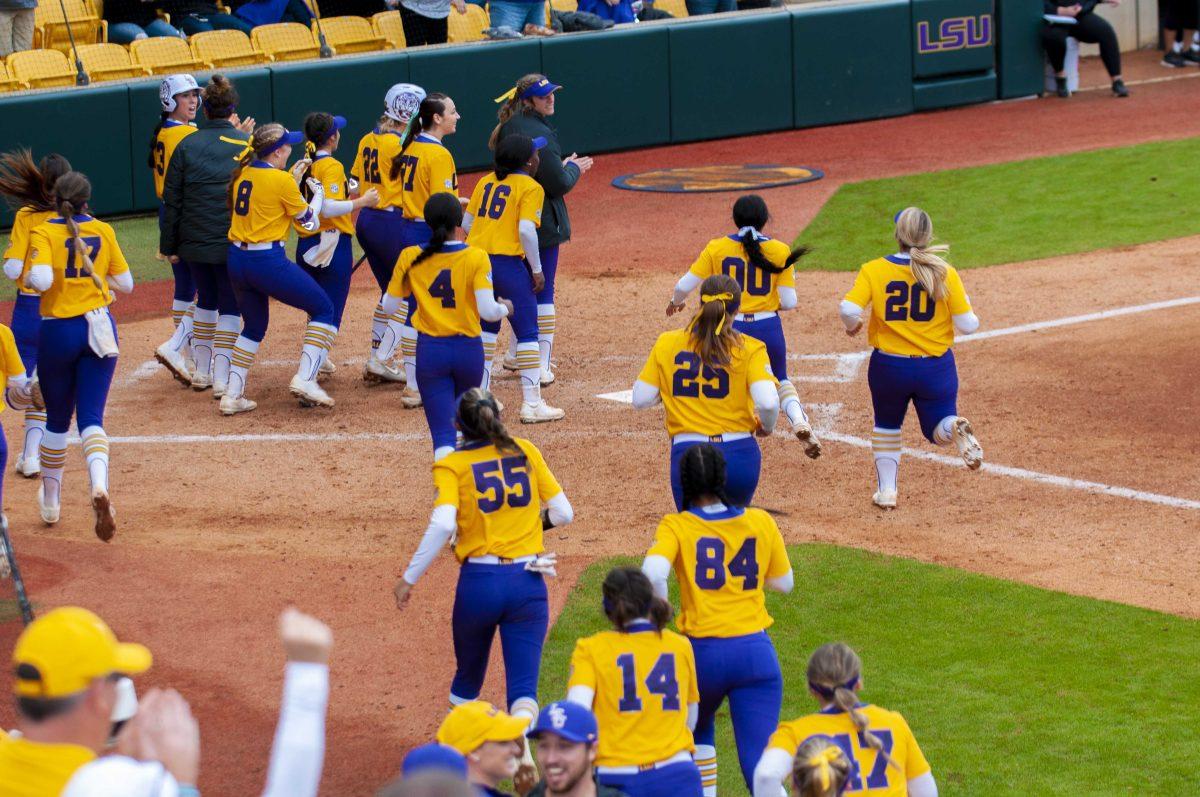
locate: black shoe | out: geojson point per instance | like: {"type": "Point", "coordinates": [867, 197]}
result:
{"type": "Point", "coordinates": [1060, 87]}
{"type": "Point", "coordinates": [1192, 56]}
{"type": "Point", "coordinates": [1174, 60]}
{"type": "Point", "coordinates": [1118, 88]}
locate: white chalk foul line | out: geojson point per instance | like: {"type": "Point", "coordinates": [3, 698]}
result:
{"type": "Point", "coordinates": [1079, 319]}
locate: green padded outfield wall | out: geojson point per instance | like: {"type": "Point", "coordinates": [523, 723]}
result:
{"type": "Point", "coordinates": [954, 54]}
{"type": "Point", "coordinates": [1019, 60]}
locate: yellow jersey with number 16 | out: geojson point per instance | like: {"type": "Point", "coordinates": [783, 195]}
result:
{"type": "Point", "coordinates": [904, 318]}
{"type": "Point", "coordinates": [75, 292]}
{"type": "Point", "coordinates": [499, 207]}
{"type": "Point", "coordinates": [727, 255]}
{"type": "Point", "coordinates": [445, 285]}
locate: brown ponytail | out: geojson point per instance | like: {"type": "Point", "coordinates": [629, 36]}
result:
{"type": "Point", "coordinates": [478, 418]}
{"type": "Point", "coordinates": [24, 183]}
{"type": "Point", "coordinates": [219, 98]}
{"type": "Point", "coordinates": [712, 330]}
{"type": "Point", "coordinates": [432, 105]}
{"type": "Point", "coordinates": [629, 596]}
{"type": "Point", "coordinates": [512, 105]}
{"type": "Point", "coordinates": [833, 672]}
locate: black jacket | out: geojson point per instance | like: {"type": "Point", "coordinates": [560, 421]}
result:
{"type": "Point", "coordinates": [601, 791]}
{"type": "Point", "coordinates": [555, 178]}
{"type": "Point", "coordinates": [195, 223]}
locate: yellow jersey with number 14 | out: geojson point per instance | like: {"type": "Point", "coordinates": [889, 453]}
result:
{"type": "Point", "coordinates": [74, 292]}
{"type": "Point", "coordinates": [643, 682]}
{"type": "Point", "coordinates": [445, 285]}
{"type": "Point", "coordinates": [904, 318]}
{"type": "Point", "coordinates": [18, 241]}
{"type": "Point", "coordinates": [426, 168]}
{"type": "Point", "coordinates": [168, 138]}
{"type": "Point", "coordinates": [726, 255]}
{"type": "Point", "coordinates": [705, 400]}
{"type": "Point", "coordinates": [499, 206]}
{"type": "Point", "coordinates": [373, 166]}
{"type": "Point", "coordinates": [265, 200]}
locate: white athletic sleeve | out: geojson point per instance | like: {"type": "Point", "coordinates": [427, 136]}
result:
{"type": "Point", "coordinates": [923, 786]}
{"type": "Point", "coordinates": [582, 695]}
{"type": "Point", "coordinates": [687, 283]}
{"type": "Point", "coordinates": [787, 297]}
{"type": "Point", "coordinates": [783, 583]}
{"type": "Point", "coordinates": [442, 524]}
{"type": "Point", "coordinates": [693, 715]}
{"type": "Point", "coordinates": [773, 767]}
{"type": "Point", "coordinates": [489, 308]}
{"type": "Point", "coordinates": [41, 277]}
{"type": "Point", "coordinates": [122, 283]}
{"type": "Point", "coordinates": [766, 403]}
{"type": "Point", "coordinates": [298, 755]}
{"type": "Point", "coordinates": [529, 241]}
{"type": "Point", "coordinates": [645, 396]}
{"type": "Point", "coordinates": [851, 314]}
{"type": "Point", "coordinates": [336, 207]}
{"type": "Point", "coordinates": [390, 303]}
{"type": "Point", "coordinates": [559, 510]}
{"type": "Point", "coordinates": [658, 569]}
{"type": "Point", "coordinates": [13, 268]}
{"type": "Point", "coordinates": [467, 221]}
{"type": "Point", "coordinates": [966, 323]}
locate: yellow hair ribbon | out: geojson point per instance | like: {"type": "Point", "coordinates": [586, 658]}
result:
{"type": "Point", "coordinates": [822, 760]}
{"type": "Point", "coordinates": [508, 95]}
{"type": "Point", "coordinates": [246, 150]}
{"type": "Point", "coordinates": [310, 149]}
{"type": "Point", "coordinates": [705, 298]}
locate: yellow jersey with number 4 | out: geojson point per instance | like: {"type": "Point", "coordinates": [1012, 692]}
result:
{"type": "Point", "coordinates": [499, 206]}
{"type": "Point", "coordinates": [265, 200]}
{"type": "Point", "coordinates": [499, 497]}
{"type": "Point", "coordinates": [760, 294]}
{"type": "Point", "coordinates": [706, 400]}
{"type": "Point", "coordinates": [373, 166]}
{"type": "Point", "coordinates": [74, 292]}
{"type": "Point", "coordinates": [722, 561]}
{"type": "Point", "coordinates": [904, 318]}
{"type": "Point", "coordinates": [445, 285]}
{"type": "Point", "coordinates": [643, 682]}
{"type": "Point", "coordinates": [329, 171]}
{"type": "Point", "coordinates": [426, 168]}
{"type": "Point", "coordinates": [18, 241]}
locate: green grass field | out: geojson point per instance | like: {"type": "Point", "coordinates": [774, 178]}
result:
{"type": "Point", "coordinates": [1020, 210]}
{"type": "Point", "coordinates": [1009, 689]}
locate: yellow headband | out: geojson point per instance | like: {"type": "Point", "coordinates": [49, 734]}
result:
{"type": "Point", "coordinates": [508, 95]}
{"type": "Point", "coordinates": [822, 760]}
{"type": "Point", "coordinates": [705, 298]}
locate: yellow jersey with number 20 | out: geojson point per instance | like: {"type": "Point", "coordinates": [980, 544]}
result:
{"type": "Point", "coordinates": [760, 294]}
{"type": "Point", "coordinates": [499, 206]}
{"type": "Point", "coordinates": [265, 200]}
{"type": "Point", "coordinates": [73, 292]}
{"type": "Point", "coordinates": [904, 318]}
{"type": "Point", "coordinates": [445, 285]}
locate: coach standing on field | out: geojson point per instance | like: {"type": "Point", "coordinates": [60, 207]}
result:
{"type": "Point", "coordinates": [525, 111]}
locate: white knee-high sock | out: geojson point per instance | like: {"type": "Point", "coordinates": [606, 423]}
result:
{"type": "Point", "coordinates": [35, 429]}
{"type": "Point", "coordinates": [318, 340]}
{"type": "Point", "coordinates": [529, 365]}
{"type": "Point", "coordinates": [95, 452]}
{"type": "Point", "coordinates": [489, 358]}
{"type": "Point", "coordinates": [408, 350]}
{"type": "Point", "coordinates": [379, 322]}
{"type": "Point", "coordinates": [885, 445]}
{"type": "Point", "coordinates": [54, 458]}
{"type": "Point", "coordinates": [204, 329]}
{"type": "Point", "coordinates": [943, 435]}
{"type": "Point", "coordinates": [383, 348]}
{"type": "Point", "coordinates": [546, 323]}
{"type": "Point", "coordinates": [789, 402]}
{"type": "Point", "coordinates": [226, 337]}
{"type": "Point", "coordinates": [512, 346]}
{"type": "Point", "coordinates": [242, 357]}
{"type": "Point", "coordinates": [706, 760]}
{"type": "Point", "coordinates": [181, 314]}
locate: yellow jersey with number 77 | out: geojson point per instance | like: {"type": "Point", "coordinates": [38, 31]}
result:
{"type": "Point", "coordinates": [904, 318]}
{"type": "Point", "coordinates": [426, 168]}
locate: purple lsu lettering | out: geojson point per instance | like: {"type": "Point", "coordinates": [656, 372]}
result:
{"type": "Point", "coordinates": [954, 33]}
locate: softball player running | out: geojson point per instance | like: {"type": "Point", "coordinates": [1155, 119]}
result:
{"type": "Point", "coordinates": [724, 557]}
{"type": "Point", "coordinates": [265, 199]}
{"type": "Point", "coordinates": [497, 494]}
{"type": "Point", "coordinates": [380, 228]}
{"type": "Point", "coordinates": [74, 262]}
{"type": "Point", "coordinates": [917, 302]}
{"type": "Point", "coordinates": [716, 386]}
{"type": "Point", "coordinates": [452, 285]}
{"type": "Point", "coordinates": [886, 757]}
{"type": "Point", "coordinates": [820, 769]}
{"type": "Point", "coordinates": [180, 99]}
{"type": "Point", "coordinates": [640, 680]}
{"type": "Point", "coordinates": [29, 189]}
{"type": "Point", "coordinates": [502, 219]}
{"type": "Point", "coordinates": [762, 268]}
{"type": "Point", "coordinates": [18, 396]}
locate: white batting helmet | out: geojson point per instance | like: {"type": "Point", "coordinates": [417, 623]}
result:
{"type": "Point", "coordinates": [172, 85]}
{"type": "Point", "coordinates": [402, 102]}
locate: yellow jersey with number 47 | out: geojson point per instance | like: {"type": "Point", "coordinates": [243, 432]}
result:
{"type": "Point", "coordinates": [445, 285]}
{"type": "Point", "coordinates": [426, 168]}
{"type": "Point", "coordinates": [643, 682]}
{"type": "Point", "coordinates": [760, 294]}
{"type": "Point", "coordinates": [265, 200]}
{"type": "Point", "coordinates": [499, 206]}
{"type": "Point", "coordinates": [722, 560]}
{"type": "Point", "coordinates": [871, 772]}
{"type": "Point", "coordinates": [168, 138]}
{"type": "Point", "coordinates": [499, 496]}
{"type": "Point", "coordinates": [18, 241]}
{"type": "Point", "coordinates": [904, 318]}
{"type": "Point", "coordinates": [74, 292]}
{"type": "Point", "coordinates": [373, 166]}
{"type": "Point", "coordinates": [701, 399]}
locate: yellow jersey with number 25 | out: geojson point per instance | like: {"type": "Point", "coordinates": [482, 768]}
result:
{"type": "Point", "coordinates": [74, 292]}
{"type": "Point", "coordinates": [445, 285]}
{"type": "Point", "coordinates": [727, 255]}
{"type": "Point", "coordinates": [499, 206]}
{"type": "Point", "coordinates": [904, 318]}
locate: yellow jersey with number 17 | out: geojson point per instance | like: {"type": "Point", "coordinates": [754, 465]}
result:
{"type": "Point", "coordinates": [168, 138]}
{"type": "Point", "coordinates": [373, 166]}
{"type": "Point", "coordinates": [445, 285]}
{"type": "Point", "coordinates": [265, 200]}
{"type": "Point", "coordinates": [499, 496]}
{"type": "Point", "coordinates": [727, 255]}
{"type": "Point", "coordinates": [871, 773]}
{"type": "Point", "coordinates": [74, 292]}
{"type": "Point", "coordinates": [722, 561]}
{"type": "Point", "coordinates": [499, 206]}
{"type": "Point", "coordinates": [705, 400]}
{"type": "Point", "coordinates": [904, 318]}
{"type": "Point", "coordinates": [643, 682]}
{"type": "Point", "coordinates": [426, 168]}
{"type": "Point", "coordinates": [329, 171]}
{"type": "Point", "coordinates": [18, 241]}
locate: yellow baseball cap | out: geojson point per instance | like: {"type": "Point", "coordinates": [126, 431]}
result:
{"type": "Point", "coordinates": [468, 726]}
{"type": "Point", "coordinates": [63, 651]}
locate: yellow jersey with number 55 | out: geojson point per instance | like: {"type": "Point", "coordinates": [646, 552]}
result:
{"type": "Point", "coordinates": [499, 207]}
{"type": "Point", "coordinates": [643, 682]}
{"type": "Point", "coordinates": [705, 400]}
{"type": "Point", "coordinates": [904, 318]}
{"type": "Point", "coordinates": [75, 292]}
{"type": "Point", "coordinates": [426, 168]}
{"type": "Point", "coordinates": [722, 561]}
{"type": "Point", "coordinates": [445, 285]}
{"type": "Point", "coordinates": [760, 294]}
{"type": "Point", "coordinates": [499, 496]}
{"type": "Point", "coordinates": [871, 773]}
{"type": "Point", "coordinates": [373, 166]}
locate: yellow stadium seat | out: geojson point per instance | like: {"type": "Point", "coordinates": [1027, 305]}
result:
{"type": "Point", "coordinates": [388, 25]}
{"type": "Point", "coordinates": [225, 48]}
{"type": "Point", "coordinates": [285, 41]}
{"type": "Point", "coordinates": [108, 62]}
{"type": "Point", "coordinates": [165, 55]}
{"type": "Point", "coordinates": [41, 69]}
{"type": "Point", "coordinates": [50, 24]}
{"type": "Point", "coordinates": [351, 35]}
{"type": "Point", "coordinates": [676, 8]}
{"type": "Point", "coordinates": [9, 83]}
{"type": "Point", "coordinates": [563, 5]}
{"type": "Point", "coordinates": [467, 27]}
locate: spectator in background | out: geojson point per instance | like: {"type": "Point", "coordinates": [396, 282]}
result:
{"type": "Point", "coordinates": [200, 16]}
{"type": "Point", "coordinates": [16, 26]}
{"type": "Point", "coordinates": [619, 11]}
{"type": "Point", "coordinates": [130, 20]}
{"type": "Point", "coordinates": [1179, 17]}
{"type": "Point", "coordinates": [425, 21]}
{"type": "Point", "coordinates": [1087, 27]}
{"type": "Point", "coordinates": [492, 742]}
{"type": "Point", "coordinates": [268, 12]}
{"type": "Point", "coordinates": [697, 7]}
{"type": "Point", "coordinates": [566, 734]}
{"type": "Point", "coordinates": [523, 16]}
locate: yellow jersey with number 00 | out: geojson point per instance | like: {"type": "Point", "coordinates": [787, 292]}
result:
{"type": "Point", "coordinates": [74, 292]}
{"type": "Point", "coordinates": [499, 206]}
{"type": "Point", "coordinates": [18, 241]}
{"type": "Point", "coordinates": [168, 138]}
{"type": "Point", "coordinates": [265, 200]}
{"type": "Point", "coordinates": [904, 318]}
{"type": "Point", "coordinates": [445, 285]}
{"type": "Point", "coordinates": [643, 682]}
{"type": "Point", "coordinates": [426, 168]}
{"type": "Point", "coordinates": [726, 255]}
{"type": "Point", "coordinates": [373, 166]}
{"type": "Point", "coordinates": [329, 171]}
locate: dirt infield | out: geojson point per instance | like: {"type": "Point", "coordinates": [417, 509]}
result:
{"type": "Point", "coordinates": [323, 508]}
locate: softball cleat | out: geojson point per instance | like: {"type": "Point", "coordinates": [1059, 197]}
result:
{"type": "Point", "coordinates": [201, 382]}
{"type": "Point", "coordinates": [885, 499]}
{"type": "Point", "coordinates": [220, 389]}
{"type": "Point", "coordinates": [540, 413]}
{"type": "Point", "coordinates": [509, 363]}
{"type": "Point", "coordinates": [310, 393]}
{"type": "Point", "coordinates": [106, 516]}
{"type": "Point", "coordinates": [326, 370]}
{"type": "Point", "coordinates": [410, 399]}
{"type": "Point", "coordinates": [49, 512]}
{"type": "Point", "coordinates": [808, 438]}
{"type": "Point", "coordinates": [547, 377]}
{"type": "Point", "coordinates": [377, 372]}
{"type": "Point", "coordinates": [174, 362]}
{"type": "Point", "coordinates": [232, 405]}
{"type": "Point", "coordinates": [968, 447]}
{"type": "Point", "coordinates": [28, 466]}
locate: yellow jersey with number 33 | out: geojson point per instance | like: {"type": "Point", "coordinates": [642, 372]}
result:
{"type": "Point", "coordinates": [426, 168]}
{"type": "Point", "coordinates": [265, 200]}
{"type": "Point", "coordinates": [904, 318]}
{"type": "Point", "coordinates": [499, 206]}
{"type": "Point", "coordinates": [643, 682]}
{"type": "Point", "coordinates": [18, 241]}
{"type": "Point", "coordinates": [722, 561]}
{"type": "Point", "coordinates": [329, 171]}
{"type": "Point", "coordinates": [73, 292]}
{"type": "Point", "coordinates": [726, 255]}
{"type": "Point", "coordinates": [168, 138]}
{"type": "Point", "coordinates": [445, 285]}
{"type": "Point", "coordinates": [373, 166]}
{"type": "Point", "coordinates": [705, 400]}
{"type": "Point", "coordinates": [871, 773]}
{"type": "Point", "coordinates": [499, 496]}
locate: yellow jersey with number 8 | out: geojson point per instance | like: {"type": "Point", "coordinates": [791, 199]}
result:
{"type": "Point", "coordinates": [445, 285]}
{"type": "Point", "coordinates": [499, 206]}
{"type": "Point", "coordinates": [760, 294]}
{"type": "Point", "coordinates": [265, 200]}
{"type": "Point", "coordinates": [904, 318]}
{"type": "Point", "coordinates": [74, 292]}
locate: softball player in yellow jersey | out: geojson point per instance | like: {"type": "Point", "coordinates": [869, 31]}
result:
{"type": "Point", "coordinates": [380, 229]}
{"type": "Point", "coordinates": [724, 557]}
{"type": "Point", "coordinates": [640, 680]}
{"type": "Point", "coordinates": [29, 189]}
{"type": "Point", "coordinates": [886, 757]}
{"type": "Point", "coordinates": [74, 260]}
{"type": "Point", "coordinates": [179, 96]}
{"type": "Point", "coordinates": [17, 395]}
{"type": "Point", "coordinates": [820, 769]}
{"type": "Point", "coordinates": [716, 386]}
{"type": "Point", "coordinates": [917, 302]}
{"type": "Point", "coordinates": [762, 268]}
{"type": "Point", "coordinates": [499, 495]}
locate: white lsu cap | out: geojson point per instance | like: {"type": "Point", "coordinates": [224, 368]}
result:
{"type": "Point", "coordinates": [119, 776]}
{"type": "Point", "coordinates": [402, 102]}
{"type": "Point", "coordinates": [172, 85]}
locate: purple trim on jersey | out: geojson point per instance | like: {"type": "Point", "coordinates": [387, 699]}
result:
{"type": "Point", "coordinates": [725, 514]}
{"type": "Point", "coordinates": [899, 260]}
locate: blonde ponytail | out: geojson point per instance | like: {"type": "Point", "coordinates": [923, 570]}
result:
{"type": "Point", "coordinates": [512, 102]}
{"type": "Point", "coordinates": [914, 231]}
{"type": "Point", "coordinates": [834, 670]}
{"type": "Point", "coordinates": [712, 332]}
{"type": "Point", "coordinates": [820, 768]}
